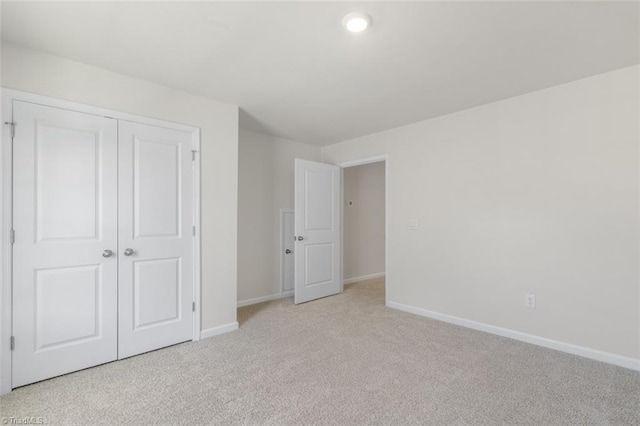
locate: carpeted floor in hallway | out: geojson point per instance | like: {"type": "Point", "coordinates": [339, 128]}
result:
{"type": "Point", "coordinates": [341, 360]}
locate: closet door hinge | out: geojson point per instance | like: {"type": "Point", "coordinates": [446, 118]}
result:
{"type": "Point", "coordinates": [193, 306]}
{"type": "Point", "coordinates": [193, 230]}
{"type": "Point", "coordinates": [12, 237]}
{"type": "Point", "coordinates": [193, 155]}
{"type": "Point", "coordinates": [13, 128]}
{"type": "Point", "coordinates": [12, 343]}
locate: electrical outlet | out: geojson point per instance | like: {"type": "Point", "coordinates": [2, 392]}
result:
{"type": "Point", "coordinates": [530, 300]}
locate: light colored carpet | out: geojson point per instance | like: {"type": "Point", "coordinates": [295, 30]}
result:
{"type": "Point", "coordinates": [341, 360]}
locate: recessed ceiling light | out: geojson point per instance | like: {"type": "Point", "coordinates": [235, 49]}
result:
{"type": "Point", "coordinates": [356, 22]}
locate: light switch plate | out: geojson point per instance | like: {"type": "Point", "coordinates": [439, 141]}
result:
{"type": "Point", "coordinates": [530, 300]}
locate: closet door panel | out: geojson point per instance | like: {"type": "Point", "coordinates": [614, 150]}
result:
{"type": "Point", "coordinates": [156, 241]}
{"type": "Point", "coordinates": [64, 256]}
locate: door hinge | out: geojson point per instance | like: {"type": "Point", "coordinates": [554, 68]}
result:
{"type": "Point", "coordinates": [13, 128]}
{"type": "Point", "coordinates": [193, 306]}
{"type": "Point", "coordinates": [12, 343]}
{"type": "Point", "coordinates": [12, 236]}
{"type": "Point", "coordinates": [193, 155]}
{"type": "Point", "coordinates": [193, 230]}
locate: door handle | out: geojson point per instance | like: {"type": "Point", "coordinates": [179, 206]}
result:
{"type": "Point", "coordinates": [128, 252]}
{"type": "Point", "coordinates": [300, 238]}
{"type": "Point", "coordinates": [107, 253]}
{"type": "Point", "coordinates": [287, 251]}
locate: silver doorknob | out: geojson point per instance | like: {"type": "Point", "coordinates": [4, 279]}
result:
{"type": "Point", "coordinates": [128, 252]}
{"type": "Point", "coordinates": [107, 253]}
{"type": "Point", "coordinates": [300, 238]}
{"type": "Point", "coordinates": [287, 251]}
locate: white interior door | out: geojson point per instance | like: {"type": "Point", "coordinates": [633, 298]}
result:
{"type": "Point", "coordinates": [288, 245]}
{"type": "Point", "coordinates": [317, 230]}
{"type": "Point", "coordinates": [65, 221]}
{"type": "Point", "coordinates": [156, 239]}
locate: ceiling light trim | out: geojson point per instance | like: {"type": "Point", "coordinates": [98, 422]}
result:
{"type": "Point", "coordinates": [356, 22]}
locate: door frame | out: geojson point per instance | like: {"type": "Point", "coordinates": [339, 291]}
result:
{"type": "Point", "coordinates": [360, 162]}
{"type": "Point", "coordinates": [6, 208]}
{"type": "Point", "coordinates": [282, 255]}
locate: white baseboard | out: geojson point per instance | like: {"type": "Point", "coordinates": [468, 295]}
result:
{"type": "Point", "coordinates": [609, 358]}
{"type": "Point", "coordinates": [248, 302]}
{"type": "Point", "coordinates": [221, 329]}
{"type": "Point", "coordinates": [363, 278]}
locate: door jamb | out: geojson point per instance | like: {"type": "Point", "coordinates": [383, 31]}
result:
{"type": "Point", "coordinates": [197, 271]}
{"type": "Point", "coordinates": [6, 261]}
{"type": "Point", "coordinates": [359, 162]}
{"type": "Point", "coordinates": [6, 207]}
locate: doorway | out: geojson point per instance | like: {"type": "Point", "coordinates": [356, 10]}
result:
{"type": "Point", "coordinates": [364, 223]}
{"type": "Point", "coordinates": [374, 262]}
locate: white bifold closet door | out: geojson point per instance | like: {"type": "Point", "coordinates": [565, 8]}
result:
{"type": "Point", "coordinates": [103, 252]}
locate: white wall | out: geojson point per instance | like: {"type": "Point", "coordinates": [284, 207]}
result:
{"type": "Point", "coordinates": [265, 185]}
{"type": "Point", "coordinates": [534, 194]}
{"type": "Point", "coordinates": [363, 241]}
{"type": "Point", "coordinates": [35, 72]}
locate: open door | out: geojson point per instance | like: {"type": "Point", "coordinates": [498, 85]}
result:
{"type": "Point", "coordinates": [317, 230]}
